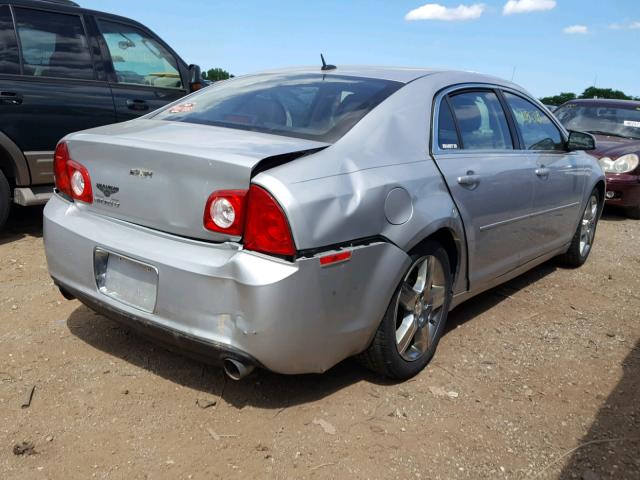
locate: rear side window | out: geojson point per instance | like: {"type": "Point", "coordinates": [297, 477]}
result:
{"type": "Point", "coordinates": [9, 58]}
{"type": "Point", "coordinates": [481, 121]}
{"type": "Point", "coordinates": [314, 106]}
{"type": "Point", "coordinates": [447, 134]}
{"type": "Point", "coordinates": [53, 45]}
{"type": "Point", "coordinates": [138, 59]}
{"type": "Point", "coordinates": [537, 130]}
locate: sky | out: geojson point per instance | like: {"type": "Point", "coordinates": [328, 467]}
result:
{"type": "Point", "coordinates": [547, 46]}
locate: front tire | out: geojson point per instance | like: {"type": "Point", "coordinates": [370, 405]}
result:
{"type": "Point", "coordinates": [582, 241]}
{"type": "Point", "coordinates": [409, 333]}
{"type": "Point", "coordinates": [5, 200]}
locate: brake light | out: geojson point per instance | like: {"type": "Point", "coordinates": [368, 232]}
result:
{"type": "Point", "coordinates": [224, 212]}
{"type": "Point", "coordinates": [72, 179]}
{"type": "Point", "coordinates": [254, 214]}
{"type": "Point", "coordinates": [266, 226]}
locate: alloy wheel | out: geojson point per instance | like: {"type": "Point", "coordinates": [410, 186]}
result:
{"type": "Point", "coordinates": [419, 308]}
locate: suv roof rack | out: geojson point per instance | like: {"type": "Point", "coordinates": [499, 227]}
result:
{"type": "Point", "coordinates": [61, 2]}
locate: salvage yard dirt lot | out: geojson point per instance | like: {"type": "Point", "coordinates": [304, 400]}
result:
{"type": "Point", "coordinates": [538, 378]}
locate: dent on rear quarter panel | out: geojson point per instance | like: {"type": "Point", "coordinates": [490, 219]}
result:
{"type": "Point", "coordinates": [338, 195]}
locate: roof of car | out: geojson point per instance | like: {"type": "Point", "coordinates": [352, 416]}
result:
{"type": "Point", "coordinates": [612, 102]}
{"type": "Point", "coordinates": [397, 74]}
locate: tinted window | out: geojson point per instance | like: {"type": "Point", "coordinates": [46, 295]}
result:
{"type": "Point", "coordinates": [316, 107]}
{"type": "Point", "coordinates": [482, 122]}
{"type": "Point", "coordinates": [53, 45]}
{"type": "Point", "coordinates": [9, 60]}
{"type": "Point", "coordinates": [537, 130]}
{"type": "Point", "coordinates": [447, 134]}
{"type": "Point", "coordinates": [138, 59]}
{"type": "Point", "coordinates": [607, 119]}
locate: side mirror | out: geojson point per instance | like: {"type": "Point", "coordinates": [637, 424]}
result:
{"type": "Point", "coordinates": [195, 78]}
{"type": "Point", "coordinates": [580, 141]}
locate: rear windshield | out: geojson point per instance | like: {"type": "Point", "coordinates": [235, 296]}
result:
{"type": "Point", "coordinates": [314, 106]}
{"type": "Point", "coordinates": [604, 119]}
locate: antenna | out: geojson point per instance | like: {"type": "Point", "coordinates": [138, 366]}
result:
{"type": "Point", "coordinates": [326, 67]}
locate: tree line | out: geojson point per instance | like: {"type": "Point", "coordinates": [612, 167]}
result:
{"type": "Point", "coordinates": [591, 92]}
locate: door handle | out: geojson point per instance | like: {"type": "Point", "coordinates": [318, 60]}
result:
{"type": "Point", "coordinates": [138, 105]}
{"type": "Point", "coordinates": [10, 98]}
{"type": "Point", "coordinates": [469, 180]}
{"type": "Point", "coordinates": [542, 172]}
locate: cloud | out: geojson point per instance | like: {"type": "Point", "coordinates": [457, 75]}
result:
{"type": "Point", "coordinates": [434, 11]}
{"type": "Point", "coordinates": [625, 26]}
{"type": "Point", "coordinates": [526, 6]}
{"type": "Point", "coordinates": [576, 29]}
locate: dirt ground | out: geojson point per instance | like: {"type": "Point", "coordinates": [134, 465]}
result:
{"type": "Point", "coordinates": [537, 379]}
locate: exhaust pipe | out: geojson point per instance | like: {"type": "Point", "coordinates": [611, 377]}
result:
{"type": "Point", "coordinates": [235, 369]}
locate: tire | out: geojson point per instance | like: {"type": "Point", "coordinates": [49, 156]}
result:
{"type": "Point", "coordinates": [633, 212]}
{"type": "Point", "coordinates": [395, 355]}
{"type": "Point", "coordinates": [5, 199]}
{"type": "Point", "coordinates": [582, 242]}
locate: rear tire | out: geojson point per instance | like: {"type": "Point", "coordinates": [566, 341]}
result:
{"type": "Point", "coordinates": [5, 200]}
{"type": "Point", "coordinates": [633, 212]}
{"type": "Point", "coordinates": [582, 241]}
{"type": "Point", "coordinates": [412, 326]}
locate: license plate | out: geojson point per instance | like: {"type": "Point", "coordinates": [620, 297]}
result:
{"type": "Point", "coordinates": [126, 280]}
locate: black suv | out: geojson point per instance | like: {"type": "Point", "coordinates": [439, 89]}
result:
{"type": "Point", "coordinates": [63, 69]}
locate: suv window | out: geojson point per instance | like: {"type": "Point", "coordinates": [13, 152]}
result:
{"type": "Point", "coordinates": [53, 45]}
{"type": "Point", "coordinates": [537, 130]}
{"type": "Point", "coordinates": [447, 134]}
{"type": "Point", "coordinates": [138, 59]}
{"type": "Point", "coordinates": [9, 59]}
{"type": "Point", "coordinates": [481, 120]}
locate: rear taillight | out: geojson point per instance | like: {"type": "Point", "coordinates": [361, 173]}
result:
{"type": "Point", "coordinates": [266, 226]}
{"type": "Point", "coordinates": [72, 179]}
{"type": "Point", "coordinates": [253, 214]}
{"type": "Point", "coordinates": [224, 212]}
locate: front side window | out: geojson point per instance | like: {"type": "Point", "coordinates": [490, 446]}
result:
{"type": "Point", "coordinates": [53, 45]}
{"type": "Point", "coordinates": [9, 58]}
{"type": "Point", "coordinates": [138, 59]}
{"type": "Point", "coordinates": [481, 121]}
{"type": "Point", "coordinates": [314, 106]}
{"type": "Point", "coordinates": [602, 118]}
{"type": "Point", "coordinates": [537, 130]}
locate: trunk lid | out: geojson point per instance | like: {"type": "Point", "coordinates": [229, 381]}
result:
{"type": "Point", "coordinates": [159, 174]}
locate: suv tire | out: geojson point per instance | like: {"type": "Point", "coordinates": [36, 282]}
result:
{"type": "Point", "coordinates": [5, 199]}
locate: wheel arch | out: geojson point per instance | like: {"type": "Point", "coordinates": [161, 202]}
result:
{"type": "Point", "coordinates": [452, 244]}
{"type": "Point", "coordinates": [13, 162]}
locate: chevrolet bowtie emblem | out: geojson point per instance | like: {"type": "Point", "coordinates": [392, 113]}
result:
{"type": "Point", "coordinates": [107, 190]}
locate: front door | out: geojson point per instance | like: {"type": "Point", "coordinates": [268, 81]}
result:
{"type": "Point", "coordinates": [559, 179]}
{"type": "Point", "coordinates": [146, 75]}
{"type": "Point", "coordinates": [490, 181]}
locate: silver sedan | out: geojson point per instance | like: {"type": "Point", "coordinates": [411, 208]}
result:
{"type": "Point", "coordinates": [292, 219]}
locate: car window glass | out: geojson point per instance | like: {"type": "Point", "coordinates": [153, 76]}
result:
{"type": "Point", "coordinates": [481, 120]}
{"type": "Point", "coordinates": [447, 134]}
{"type": "Point", "coordinates": [9, 59]}
{"type": "Point", "coordinates": [537, 130]}
{"type": "Point", "coordinates": [138, 59]}
{"type": "Point", "coordinates": [311, 106]}
{"type": "Point", "coordinates": [53, 45]}
{"type": "Point", "coordinates": [602, 118]}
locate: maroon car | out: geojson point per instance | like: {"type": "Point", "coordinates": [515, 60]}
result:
{"type": "Point", "coordinates": [616, 126]}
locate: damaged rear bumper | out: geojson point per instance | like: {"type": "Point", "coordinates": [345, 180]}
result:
{"type": "Point", "coordinates": [217, 300]}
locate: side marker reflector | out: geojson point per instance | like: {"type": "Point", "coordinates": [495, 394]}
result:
{"type": "Point", "coordinates": [335, 258]}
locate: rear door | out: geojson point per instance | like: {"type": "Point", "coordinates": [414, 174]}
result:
{"type": "Point", "coordinates": [55, 87]}
{"type": "Point", "coordinates": [559, 179]}
{"type": "Point", "coordinates": [144, 73]}
{"type": "Point", "coordinates": [489, 179]}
